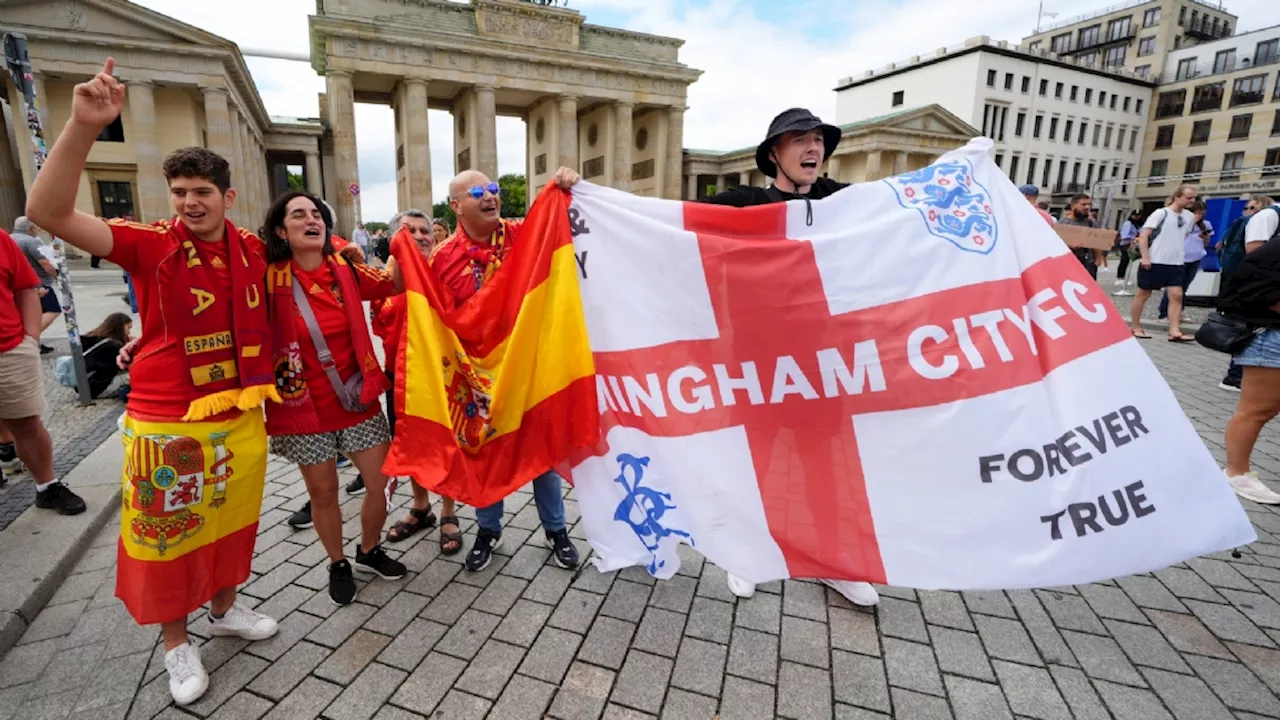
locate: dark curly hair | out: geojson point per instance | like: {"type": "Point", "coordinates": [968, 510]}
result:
{"type": "Point", "coordinates": [278, 247]}
{"type": "Point", "coordinates": [198, 162]}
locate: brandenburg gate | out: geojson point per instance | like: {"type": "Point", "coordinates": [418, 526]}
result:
{"type": "Point", "coordinates": [607, 102]}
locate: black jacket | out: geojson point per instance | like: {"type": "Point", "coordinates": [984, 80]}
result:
{"type": "Point", "coordinates": [747, 195]}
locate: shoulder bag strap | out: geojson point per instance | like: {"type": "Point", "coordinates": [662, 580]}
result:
{"type": "Point", "coordinates": [317, 339]}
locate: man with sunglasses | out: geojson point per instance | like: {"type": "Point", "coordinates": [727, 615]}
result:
{"type": "Point", "coordinates": [1161, 246]}
{"type": "Point", "coordinates": [464, 263]}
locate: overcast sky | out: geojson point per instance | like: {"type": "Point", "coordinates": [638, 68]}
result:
{"type": "Point", "coordinates": [758, 56]}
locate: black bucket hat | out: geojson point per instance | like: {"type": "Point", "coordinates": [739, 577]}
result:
{"type": "Point", "coordinates": [794, 120]}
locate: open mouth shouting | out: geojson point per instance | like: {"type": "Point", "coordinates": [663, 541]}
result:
{"type": "Point", "coordinates": [195, 218]}
{"type": "Point", "coordinates": [810, 163]}
{"type": "Point", "coordinates": [489, 206]}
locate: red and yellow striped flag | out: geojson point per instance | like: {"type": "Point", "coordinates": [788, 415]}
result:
{"type": "Point", "coordinates": [500, 389]}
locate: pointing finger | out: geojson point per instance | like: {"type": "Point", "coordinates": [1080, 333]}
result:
{"type": "Point", "coordinates": [109, 67]}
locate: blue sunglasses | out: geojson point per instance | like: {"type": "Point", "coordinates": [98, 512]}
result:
{"type": "Point", "coordinates": [478, 191]}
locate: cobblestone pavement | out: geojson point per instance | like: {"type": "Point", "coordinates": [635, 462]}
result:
{"type": "Point", "coordinates": [525, 639]}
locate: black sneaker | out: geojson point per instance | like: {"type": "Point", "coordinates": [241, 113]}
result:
{"type": "Point", "coordinates": [301, 520]}
{"type": "Point", "coordinates": [482, 549]}
{"type": "Point", "coordinates": [45, 349]}
{"type": "Point", "coordinates": [1230, 383]}
{"type": "Point", "coordinates": [60, 498]}
{"type": "Point", "coordinates": [377, 562]}
{"type": "Point", "coordinates": [356, 487]}
{"type": "Point", "coordinates": [562, 549]}
{"type": "Point", "coordinates": [342, 586]}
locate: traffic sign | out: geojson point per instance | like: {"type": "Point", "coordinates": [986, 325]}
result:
{"type": "Point", "coordinates": [354, 189]}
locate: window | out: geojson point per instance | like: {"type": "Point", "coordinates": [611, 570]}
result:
{"type": "Point", "coordinates": [1164, 137]}
{"type": "Point", "coordinates": [1088, 96]}
{"type": "Point", "coordinates": [1248, 90]}
{"type": "Point", "coordinates": [1207, 97]}
{"type": "Point", "coordinates": [1008, 81]}
{"type": "Point", "coordinates": [113, 132]}
{"type": "Point", "coordinates": [1048, 172]}
{"type": "Point", "coordinates": [1031, 170]}
{"type": "Point", "coordinates": [1114, 56]}
{"type": "Point", "coordinates": [1127, 170]}
{"type": "Point", "coordinates": [991, 78]}
{"type": "Point", "coordinates": [1106, 139]}
{"type": "Point", "coordinates": [1088, 176]}
{"type": "Point", "coordinates": [1231, 162]}
{"type": "Point", "coordinates": [1200, 132]}
{"type": "Point", "coordinates": [1224, 61]}
{"type": "Point", "coordinates": [1194, 165]}
{"type": "Point", "coordinates": [1019, 124]}
{"type": "Point", "coordinates": [1275, 124]}
{"type": "Point", "coordinates": [1075, 90]}
{"type": "Point", "coordinates": [1186, 69]}
{"type": "Point", "coordinates": [1142, 70]}
{"type": "Point", "coordinates": [1075, 173]}
{"type": "Point", "coordinates": [1026, 84]}
{"type": "Point", "coordinates": [1276, 95]}
{"type": "Point", "coordinates": [1044, 88]}
{"type": "Point", "coordinates": [1035, 128]}
{"type": "Point", "coordinates": [1034, 46]}
{"type": "Point", "coordinates": [1138, 109]}
{"type": "Point", "coordinates": [1013, 167]}
{"type": "Point", "coordinates": [1084, 126]}
{"type": "Point", "coordinates": [1120, 139]}
{"type": "Point", "coordinates": [1226, 29]}
{"type": "Point", "coordinates": [1089, 36]}
{"type": "Point", "coordinates": [1146, 46]}
{"type": "Point", "coordinates": [1000, 160]}
{"type": "Point", "coordinates": [1057, 90]}
{"type": "Point", "coordinates": [897, 98]}
{"type": "Point", "coordinates": [1272, 161]}
{"type": "Point", "coordinates": [1120, 28]}
{"type": "Point", "coordinates": [1089, 59]}
{"type": "Point", "coordinates": [1066, 131]}
{"type": "Point", "coordinates": [1113, 102]}
{"type": "Point", "coordinates": [1177, 41]}
{"type": "Point", "coordinates": [1061, 43]}
{"type": "Point", "coordinates": [1133, 140]}
{"type": "Point", "coordinates": [1102, 99]}
{"type": "Point", "coordinates": [1159, 168]}
{"type": "Point", "coordinates": [1127, 100]}
{"type": "Point", "coordinates": [1266, 52]}
{"type": "Point", "coordinates": [1182, 15]}
{"type": "Point", "coordinates": [1151, 18]}
{"type": "Point", "coordinates": [1097, 134]}
{"type": "Point", "coordinates": [1053, 128]}
{"type": "Point", "coordinates": [1240, 127]}
{"type": "Point", "coordinates": [1170, 104]}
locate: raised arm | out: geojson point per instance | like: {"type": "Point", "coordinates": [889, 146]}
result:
{"type": "Point", "coordinates": [51, 204]}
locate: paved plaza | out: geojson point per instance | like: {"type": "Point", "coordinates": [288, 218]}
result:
{"type": "Point", "coordinates": [526, 639]}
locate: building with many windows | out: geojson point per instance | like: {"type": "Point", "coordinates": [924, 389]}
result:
{"type": "Point", "coordinates": [1217, 113]}
{"type": "Point", "coordinates": [1056, 122]}
{"type": "Point", "coordinates": [1135, 35]}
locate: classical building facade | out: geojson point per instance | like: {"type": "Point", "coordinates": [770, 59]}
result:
{"type": "Point", "coordinates": [186, 88]}
{"type": "Point", "coordinates": [606, 101]}
{"type": "Point", "coordinates": [869, 150]}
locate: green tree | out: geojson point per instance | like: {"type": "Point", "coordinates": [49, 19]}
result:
{"type": "Point", "coordinates": [514, 195]}
{"type": "Point", "coordinates": [442, 211]}
{"type": "Point", "coordinates": [374, 227]}
{"type": "Point", "coordinates": [296, 182]}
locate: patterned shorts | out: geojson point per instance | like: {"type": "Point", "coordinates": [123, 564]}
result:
{"type": "Point", "coordinates": [323, 447]}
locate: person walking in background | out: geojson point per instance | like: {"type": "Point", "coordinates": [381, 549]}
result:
{"type": "Point", "coordinates": [360, 237]}
{"type": "Point", "coordinates": [1079, 213]}
{"type": "Point", "coordinates": [440, 230]}
{"type": "Point", "coordinates": [1230, 253]}
{"type": "Point", "coordinates": [1160, 247]}
{"type": "Point", "coordinates": [27, 235]}
{"type": "Point", "coordinates": [1193, 251]}
{"type": "Point", "coordinates": [1032, 194]}
{"type": "Point", "coordinates": [1128, 233]}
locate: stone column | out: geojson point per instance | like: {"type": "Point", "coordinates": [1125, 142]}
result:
{"type": "Point", "coordinates": [217, 122]}
{"type": "Point", "coordinates": [342, 119]}
{"type": "Point", "coordinates": [744, 178]}
{"type": "Point", "coordinates": [691, 187]}
{"type": "Point", "coordinates": [153, 191]}
{"type": "Point", "coordinates": [900, 162]}
{"type": "Point", "coordinates": [486, 137]}
{"type": "Point", "coordinates": [834, 164]}
{"type": "Point", "coordinates": [568, 135]}
{"type": "Point", "coordinates": [239, 174]}
{"type": "Point", "coordinates": [675, 152]}
{"type": "Point", "coordinates": [623, 141]}
{"type": "Point", "coordinates": [314, 178]}
{"type": "Point", "coordinates": [417, 144]}
{"type": "Point", "coordinates": [12, 189]}
{"type": "Point", "coordinates": [720, 183]}
{"type": "Point", "coordinates": [873, 166]}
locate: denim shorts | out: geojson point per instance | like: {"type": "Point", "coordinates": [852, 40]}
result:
{"type": "Point", "coordinates": [1264, 351]}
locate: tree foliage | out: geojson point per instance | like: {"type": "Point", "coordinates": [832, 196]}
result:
{"type": "Point", "coordinates": [297, 182]}
{"type": "Point", "coordinates": [514, 195]}
{"type": "Point", "coordinates": [374, 227]}
{"type": "Point", "coordinates": [442, 211]}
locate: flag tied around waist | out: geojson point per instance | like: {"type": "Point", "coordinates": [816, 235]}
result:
{"type": "Point", "coordinates": [498, 390]}
{"type": "Point", "coordinates": [910, 390]}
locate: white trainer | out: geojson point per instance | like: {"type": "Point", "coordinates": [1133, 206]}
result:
{"type": "Point", "coordinates": [1249, 487]}
{"type": "Point", "coordinates": [242, 622]}
{"type": "Point", "coordinates": [858, 593]}
{"type": "Point", "coordinates": [740, 587]}
{"type": "Point", "coordinates": [187, 678]}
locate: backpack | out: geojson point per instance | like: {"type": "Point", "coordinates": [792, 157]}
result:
{"type": "Point", "coordinates": [1233, 245]}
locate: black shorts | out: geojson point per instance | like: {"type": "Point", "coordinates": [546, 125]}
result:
{"type": "Point", "coordinates": [1159, 277]}
{"type": "Point", "coordinates": [49, 302]}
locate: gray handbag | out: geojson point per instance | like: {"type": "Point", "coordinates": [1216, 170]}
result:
{"type": "Point", "coordinates": [349, 391]}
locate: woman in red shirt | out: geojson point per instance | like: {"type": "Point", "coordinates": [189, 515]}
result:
{"type": "Point", "coordinates": [328, 378]}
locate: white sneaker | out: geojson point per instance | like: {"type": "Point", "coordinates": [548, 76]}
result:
{"type": "Point", "coordinates": [1119, 282]}
{"type": "Point", "coordinates": [1228, 388]}
{"type": "Point", "coordinates": [858, 593]}
{"type": "Point", "coordinates": [187, 678]}
{"type": "Point", "coordinates": [740, 587]}
{"type": "Point", "coordinates": [14, 466]}
{"type": "Point", "coordinates": [243, 623]}
{"type": "Point", "coordinates": [1249, 487]}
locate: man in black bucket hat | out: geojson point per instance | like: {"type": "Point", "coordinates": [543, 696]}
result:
{"type": "Point", "coordinates": [792, 153]}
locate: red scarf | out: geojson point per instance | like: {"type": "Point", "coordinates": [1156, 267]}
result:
{"type": "Point", "coordinates": [226, 348]}
{"type": "Point", "coordinates": [296, 413]}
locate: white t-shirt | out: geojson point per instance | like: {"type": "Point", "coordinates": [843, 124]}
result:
{"type": "Point", "coordinates": [1261, 226]}
{"type": "Point", "coordinates": [1167, 249]}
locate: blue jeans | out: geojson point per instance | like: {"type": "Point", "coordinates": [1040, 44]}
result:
{"type": "Point", "coordinates": [133, 297]}
{"type": "Point", "coordinates": [547, 498]}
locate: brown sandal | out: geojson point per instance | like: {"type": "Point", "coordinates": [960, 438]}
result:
{"type": "Point", "coordinates": [403, 530]}
{"type": "Point", "coordinates": [450, 542]}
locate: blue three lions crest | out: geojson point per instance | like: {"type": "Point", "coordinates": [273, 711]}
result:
{"type": "Point", "coordinates": [954, 206]}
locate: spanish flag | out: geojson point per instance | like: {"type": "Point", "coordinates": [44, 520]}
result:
{"type": "Point", "coordinates": [501, 388]}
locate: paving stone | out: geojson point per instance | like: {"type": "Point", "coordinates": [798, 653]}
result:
{"type": "Point", "coordinates": [805, 641]}
{"type": "Point", "coordinates": [1228, 623]}
{"type": "Point", "coordinates": [714, 583]}
{"type": "Point", "coordinates": [1186, 696]}
{"type": "Point", "coordinates": [493, 666]}
{"type": "Point", "coordinates": [700, 667]}
{"type": "Point", "coordinates": [746, 700]}
{"type": "Point", "coordinates": [681, 705]}
{"type": "Point", "coordinates": [576, 611]}
{"type": "Point", "coordinates": [1146, 646]}
{"type": "Point", "coordinates": [525, 562]}
{"type": "Point", "coordinates": [396, 614]}
{"type": "Point", "coordinates": [946, 609]}
{"type": "Point", "coordinates": [911, 666]}
{"type": "Point", "coordinates": [710, 620]}
{"type": "Point", "coordinates": [523, 699]}
{"type": "Point", "coordinates": [989, 602]}
{"type": "Point", "coordinates": [900, 618]}
{"type": "Point", "coordinates": [583, 694]}
{"type": "Point", "coordinates": [1070, 612]}
{"type": "Point", "coordinates": [1148, 592]}
{"type": "Point", "coordinates": [25, 663]}
{"type": "Point", "coordinates": [626, 601]}
{"type": "Point", "coordinates": [1188, 634]}
{"type": "Point", "coordinates": [618, 712]}
{"type": "Point", "coordinates": [847, 712]}
{"type": "Point", "coordinates": [1186, 584]}
{"type": "Point", "coordinates": [365, 697]}
{"type": "Point", "coordinates": [1130, 702]}
{"type": "Point", "coordinates": [973, 700]}
{"type": "Point", "coordinates": [763, 612]}
{"type": "Point", "coordinates": [67, 670]}
{"type": "Point", "coordinates": [468, 634]}
{"type": "Point", "coordinates": [1237, 687]}
{"type": "Point", "coordinates": [659, 632]}
{"type": "Point", "coordinates": [458, 705]}
{"type": "Point", "coordinates": [500, 595]}
{"type": "Point", "coordinates": [286, 601]}
{"type": "Point", "coordinates": [754, 655]}
{"type": "Point", "coordinates": [1102, 658]}
{"type": "Point", "coordinates": [1031, 691]}
{"type": "Point", "coordinates": [1220, 574]}
{"type": "Point", "coordinates": [243, 706]}
{"type": "Point", "coordinates": [642, 683]}
{"type": "Point", "coordinates": [276, 580]}
{"type": "Point", "coordinates": [549, 585]}
{"type": "Point", "coordinates": [1053, 649]}
{"type": "Point", "coordinates": [637, 574]}
{"type": "Point", "coordinates": [551, 655]}
{"type": "Point", "coordinates": [607, 643]}
{"type": "Point", "coordinates": [674, 594]}
{"type": "Point", "coordinates": [1259, 608]}
{"type": "Point", "coordinates": [82, 585]}
{"type": "Point", "coordinates": [350, 659]}
{"type": "Point", "coordinates": [434, 579]}
{"type": "Point", "coordinates": [803, 692]}
{"type": "Point", "coordinates": [909, 704]}
{"type": "Point", "coordinates": [522, 623]}
{"type": "Point", "coordinates": [482, 578]}
{"type": "Point", "coordinates": [1112, 602]}
{"type": "Point", "coordinates": [592, 580]}
{"type": "Point", "coordinates": [854, 630]}
{"type": "Point", "coordinates": [1079, 693]}
{"type": "Point", "coordinates": [961, 653]}
{"type": "Point", "coordinates": [111, 683]}
{"type": "Point", "coordinates": [412, 644]}
{"type": "Point", "coordinates": [423, 690]}
{"type": "Point", "coordinates": [227, 681]}
{"type": "Point", "coordinates": [1263, 662]}
{"type": "Point", "coordinates": [802, 599]}
{"type": "Point", "coordinates": [451, 603]}
{"type": "Point", "coordinates": [55, 621]}
{"type": "Point", "coordinates": [859, 680]}
{"type": "Point", "coordinates": [341, 625]}
{"type": "Point", "coordinates": [278, 680]}
{"type": "Point", "coordinates": [1006, 639]}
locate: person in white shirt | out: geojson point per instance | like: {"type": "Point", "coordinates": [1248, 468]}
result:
{"type": "Point", "coordinates": [1194, 249]}
{"type": "Point", "coordinates": [1161, 244]}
